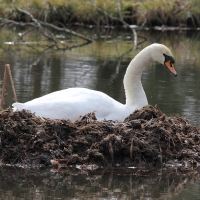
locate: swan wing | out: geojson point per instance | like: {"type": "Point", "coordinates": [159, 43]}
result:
{"type": "Point", "coordinates": [73, 102]}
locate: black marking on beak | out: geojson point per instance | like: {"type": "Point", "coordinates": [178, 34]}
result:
{"type": "Point", "coordinates": [169, 63]}
{"type": "Point", "coordinates": [169, 58]}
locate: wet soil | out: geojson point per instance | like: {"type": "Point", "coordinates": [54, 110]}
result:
{"type": "Point", "coordinates": [146, 138]}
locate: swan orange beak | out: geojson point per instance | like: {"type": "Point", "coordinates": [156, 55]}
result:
{"type": "Point", "coordinates": [171, 68]}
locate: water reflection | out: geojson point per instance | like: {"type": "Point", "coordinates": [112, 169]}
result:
{"type": "Point", "coordinates": [100, 66]}
{"type": "Point", "coordinates": [101, 184]}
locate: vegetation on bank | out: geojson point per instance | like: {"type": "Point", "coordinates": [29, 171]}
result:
{"type": "Point", "coordinates": [92, 12]}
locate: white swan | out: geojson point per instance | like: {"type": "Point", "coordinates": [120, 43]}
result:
{"type": "Point", "coordinates": [73, 102]}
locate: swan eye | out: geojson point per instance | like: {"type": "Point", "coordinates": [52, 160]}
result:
{"type": "Point", "coordinates": [169, 59]}
{"type": "Point", "coordinates": [169, 63]}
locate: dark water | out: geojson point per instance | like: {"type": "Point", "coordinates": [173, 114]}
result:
{"type": "Point", "coordinates": [101, 66]}
{"type": "Point", "coordinates": [102, 184]}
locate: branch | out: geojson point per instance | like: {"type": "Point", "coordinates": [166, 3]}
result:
{"type": "Point", "coordinates": [145, 20]}
{"type": "Point", "coordinates": [118, 19]}
{"type": "Point", "coordinates": [21, 35]}
{"type": "Point", "coordinates": [38, 24]}
{"type": "Point", "coordinates": [41, 25]}
{"type": "Point", "coordinates": [126, 24]}
{"type": "Point", "coordinates": [67, 31]}
{"type": "Point", "coordinates": [8, 21]}
{"type": "Point", "coordinates": [104, 12]}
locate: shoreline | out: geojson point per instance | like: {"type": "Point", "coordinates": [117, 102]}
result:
{"type": "Point", "coordinates": [179, 14]}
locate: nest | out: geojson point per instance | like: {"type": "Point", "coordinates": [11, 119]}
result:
{"type": "Point", "coordinates": [146, 138]}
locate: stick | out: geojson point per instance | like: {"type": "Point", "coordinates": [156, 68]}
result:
{"type": "Point", "coordinates": [3, 92]}
{"type": "Point", "coordinates": [11, 81]}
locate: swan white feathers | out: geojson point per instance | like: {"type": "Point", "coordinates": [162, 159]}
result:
{"type": "Point", "coordinates": [74, 102]}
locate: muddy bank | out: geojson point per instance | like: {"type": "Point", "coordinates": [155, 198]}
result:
{"type": "Point", "coordinates": [146, 138]}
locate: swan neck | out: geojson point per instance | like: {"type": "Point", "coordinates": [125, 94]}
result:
{"type": "Point", "coordinates": [135, 95]}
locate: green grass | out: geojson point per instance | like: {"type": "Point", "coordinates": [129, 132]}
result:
{"type": "Point", "coordinates": [156, 12]}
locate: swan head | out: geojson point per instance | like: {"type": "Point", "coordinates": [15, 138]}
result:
{"type": "Point", "coordinates": [164, 56]}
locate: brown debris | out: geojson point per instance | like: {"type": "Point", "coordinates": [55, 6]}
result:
{"type": "Point", "coordinates": [147, 137]}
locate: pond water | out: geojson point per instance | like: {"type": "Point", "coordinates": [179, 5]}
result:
{"type": "Point", "coordinates": [101, 66]}
{"type": "Point", "coordinates": [38, 70]}
{"type": "Point", "coordinates": [104, 184]}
